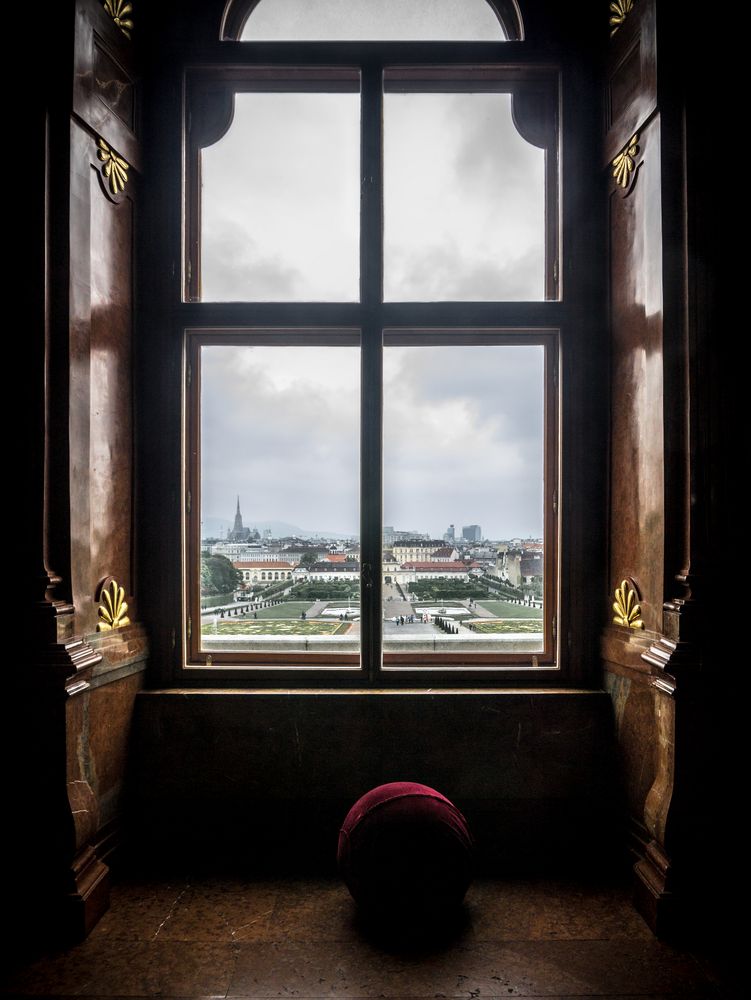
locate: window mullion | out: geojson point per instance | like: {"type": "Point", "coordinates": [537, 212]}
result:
{"type": "Point", "coordinates": [371, 203]}
{"type": "Point", "coordinates": [371, 280]}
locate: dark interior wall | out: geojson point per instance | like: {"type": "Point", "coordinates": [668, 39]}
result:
{"type": "Point", "coordinates": [666, 447]}
{"type": "Point", "coordinates": [266, 778]}
{"type": "Point", "coordinates": [637, 387]}
{"type": "Point", "coordinates": [76, 692]}
{"type": "Point", "coordinates": [671, 497]}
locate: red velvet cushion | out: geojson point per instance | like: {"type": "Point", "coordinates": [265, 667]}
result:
{"type": "Point", "coordinates": [403, 848]}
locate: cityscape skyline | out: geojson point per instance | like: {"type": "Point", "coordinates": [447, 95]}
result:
{"type": "Point", "coordinates": [462, 432]}
{"type": "Point", "coordinates": [465, 534]}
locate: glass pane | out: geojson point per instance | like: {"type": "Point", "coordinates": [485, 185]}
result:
{"type": "Point", "coordinates": [463, 499]}
{"type": "Point", "coordinates": [464, 200]}
{"type": "Point", "coordinates": [373, 20]}
{"type": "Point", "coordinates": [280, 501]}
{"type": "Point", "coordinates": [280, 202]}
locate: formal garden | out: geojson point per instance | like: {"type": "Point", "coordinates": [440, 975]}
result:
{"type": "Point", "coordinates": [275, 627]}
{"type": "Point", "coordinates": [494, 626]}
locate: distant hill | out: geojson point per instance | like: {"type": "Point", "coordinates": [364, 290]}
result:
{"type": "Point", "coordinates": [216, 527]}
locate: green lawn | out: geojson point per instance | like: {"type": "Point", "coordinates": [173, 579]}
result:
{"type": "Point", "coordinates": [493, 626]}
{"type": "Point", "coordinates": [504, 609]}
{"type": "Point", "coordinates": [289, 609]}
{"type": "Point", "coordinates": [280, 626]}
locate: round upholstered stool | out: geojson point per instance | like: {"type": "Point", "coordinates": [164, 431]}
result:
{"type": "Point", "coordinates": [405, 851]}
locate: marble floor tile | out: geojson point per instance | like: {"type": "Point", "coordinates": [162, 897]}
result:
{"type": "Point", "coordinates": [138, 909]}
{"type": "Point", "coordinates": [110, 967]}
{"type": "Point", "coordinates": [313, 910]}
{"type": "Point", "coordinates": [192, 938]}
{"type": "Point", "coordinates": [97, 966]}
{"type": "Point", "coordinates": [242, 913]}
{"type": "Point", "coordinates": [526, 968]}
{"type": "Point", "coordinates": [506, 909]}
{"type": "Point", "coordinates": [193, 968]}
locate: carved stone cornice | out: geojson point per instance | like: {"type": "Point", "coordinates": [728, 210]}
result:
{"type": "Point", "coordinates": [65, 666]}
{"type": "Point", "coordinates": [48, 618]}
{"type": "Point", "coordinates": [676, 659]}
{"type": "Point", "coordinates": [676, 652]}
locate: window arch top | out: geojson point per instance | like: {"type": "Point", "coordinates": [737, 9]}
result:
{"type": "Point", "coordinates": [372, 20]}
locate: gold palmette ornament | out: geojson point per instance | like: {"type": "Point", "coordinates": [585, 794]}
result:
{"type": "Point", "coordinates": [627, 611]}
{"type": "Point", "coordinates": [625, 162]}
{"type": "Point", "coordinates": [120, 11]}
{"type": "Point", "coordinates": [619, 11]}
{"type": "Point", "coordinates": [112, 610]}
{"type": "Point", "coordinates": [115, 168]}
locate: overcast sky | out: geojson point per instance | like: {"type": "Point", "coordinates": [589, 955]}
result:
{"type": "Point", "coordinates": [463, 204]}
{"type": "Point", "coordinates": [281, 427]}
{"type": "Point", "coordinates": [376, 20]}
{"type": "Point", "coordinates": [462, 437]}
{"type": "Point", "coordinates": [463, 219]}
{"type": "Point", "coordinates": [464, 200]}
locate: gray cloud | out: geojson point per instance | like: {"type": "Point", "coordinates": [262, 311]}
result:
{"type": "Point", "coordinates": [463, 438]}
{"type": "Point", "coordinates": [280, 200]}
{"type": "Point", "coordinates": [464, 200]}
{"type": "Point", "coordinates": [322, 20]}
{"type": "Point", "coordinates": [446, 273]}
{"type": "Point", "coordinates": [489, 151]}
{"type": "Point", "coordinates": [233, 270]}
{"type": "Point", "coordinates": [281, 427]}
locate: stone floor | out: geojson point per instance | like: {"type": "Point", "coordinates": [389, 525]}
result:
{"type": "Point", "coordinates": [200, 938]}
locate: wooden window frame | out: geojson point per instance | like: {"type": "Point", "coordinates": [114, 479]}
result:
{"type": "Point", "coordinates": [372, 662]}
{"type": "Point", "coordinates": [166, 312]}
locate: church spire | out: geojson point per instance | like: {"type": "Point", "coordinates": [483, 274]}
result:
{"type": "Point", "coordinates": [238, 518]}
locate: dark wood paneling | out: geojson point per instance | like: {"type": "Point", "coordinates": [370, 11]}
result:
{"type": "Point", "coordinates": [637, 440]}
{"type": "Point", "coordinates": [109, 723]}
{"type": "Point", "coordinates": [631, 77]}
{"type": "Point", "coordinates": [110, 414]}
{"type": "Point", "coordinates": [105, 96]}
{"type": "Point", "coordinates": [80, 520]}
{"type": "Point", "coordinates": [634, 709]}
{"type": "Point", "coordinates": [82, 581]}
{"type": "Point", "coordinates": [113, 85]}
{"type": "Point", "coordinates": [100, 412]}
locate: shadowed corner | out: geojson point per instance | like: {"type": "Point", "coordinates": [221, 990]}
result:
{"type": "Point", "coordinates": [415, 933]}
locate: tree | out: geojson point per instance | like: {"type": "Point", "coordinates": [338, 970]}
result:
{"type": "Point", "coordinates": [218, 575]}
{"type": "Point", "coordinates": [308, 559]}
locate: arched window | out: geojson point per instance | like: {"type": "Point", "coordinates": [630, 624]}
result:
{"type": "Point", "coordinates": [371, 20]}
{"type": "Point", "coordinates": [371, 253]}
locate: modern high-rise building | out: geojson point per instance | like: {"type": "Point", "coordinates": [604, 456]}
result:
{"type": "Point", "coordinates": [472, 533]}
{"type": "Point", "coordinates": [450, 534]}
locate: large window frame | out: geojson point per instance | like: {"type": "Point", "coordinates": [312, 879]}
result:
{"type": "Point", "coordinates": [463, 661]}
{"type": "Point", "coordinates": [168, 312]}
